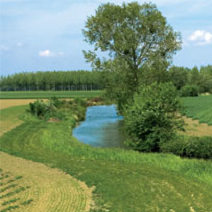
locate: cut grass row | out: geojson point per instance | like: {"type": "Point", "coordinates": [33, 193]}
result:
{"type": "Point", "coordinates": [48, 94]}
{"type": "Point", "coordinates": [125, 180]}
{"type": "Point", "coordinates": [47, 189]}
{"type": "Point", "coordinates": [199, 108]}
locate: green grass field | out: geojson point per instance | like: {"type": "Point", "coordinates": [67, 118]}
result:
{"type": "Point", "coordinates": [10, 117]}
{"type": "Point", "coordinates": [199, 108]}
{"type": "Point", "coordinates": [125, 181]}
{"type": "Point", "coordinates": [48, 94]}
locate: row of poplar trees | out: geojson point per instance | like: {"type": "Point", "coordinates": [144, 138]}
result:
{"type": "Point", "coordinates": [52, 81]}
{"type": "Point", "coordinates": [94, 80]}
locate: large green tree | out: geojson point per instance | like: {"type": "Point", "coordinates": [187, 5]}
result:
{"type": "Point", "coordinates": [130, 35]}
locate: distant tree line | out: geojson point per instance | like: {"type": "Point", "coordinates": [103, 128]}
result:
{"type": "Point", "coordinates": [52, 81]}
{"type": "Point", "coordinates": [188, 81]}
{"type": "Point", "coordinates": [192, 81]}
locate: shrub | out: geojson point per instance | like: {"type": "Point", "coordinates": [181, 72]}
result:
{"type": "Point", "coordinates": [189, 90]}
{"type": "Point", "coordinates": [191, 147]}
{"type": "Point", "coordinates": [58, 109]}
{"type": "Point", "coordinates": [38, 108]}
{"type": "Point", "coordinates": [151, 119]}
{"type": "Point", "coordinates": [56, 102]}
{"type": "Point", "coordinates": [43, 109]}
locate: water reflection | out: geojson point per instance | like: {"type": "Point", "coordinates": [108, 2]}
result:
{"type": "Point", "coordinates": [101, 128]}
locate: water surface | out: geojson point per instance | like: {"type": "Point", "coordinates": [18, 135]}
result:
{"type": "Point", "coordinates": [101, 128]}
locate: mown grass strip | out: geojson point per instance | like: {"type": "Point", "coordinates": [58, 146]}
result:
{"type": "Point", "coordinates": [48, 94]}
{"type": "Point", "coordinates": [18, 190]}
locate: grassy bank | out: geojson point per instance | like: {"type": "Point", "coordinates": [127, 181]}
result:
{"type": "Point", "coordinates": [48, 94]}
{"type": "Point", "coordinates": [124, 180]}
{"type": "Point", "coordinates": [199, 108]}
{"type": "Point", "coordinates": [10, 117]}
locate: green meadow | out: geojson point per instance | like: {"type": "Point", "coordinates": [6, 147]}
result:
{"type": "Point", "coordinates": [124, 180]}
{"type": "Point", "coordinates": [199, 108]}
{"type": "Point", "coordinates": [48, 94]}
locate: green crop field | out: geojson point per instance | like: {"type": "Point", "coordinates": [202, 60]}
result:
{"type": "Point", "coordinates": [124, 180]}
{"type": "Point", "coordinates": [48, 94]}
{"type": "Point", "coordinates": [199, 108]}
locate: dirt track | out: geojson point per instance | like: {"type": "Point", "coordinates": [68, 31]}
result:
{"type": "Point", "coordinates": [49, 190]}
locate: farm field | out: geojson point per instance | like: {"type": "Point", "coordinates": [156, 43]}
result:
{"type": "Point", "coordinates": [164, 182]}
{"type": "Point", "coordinates": [5, 103]}
{"type": "Point", "coordinates": [199, 108]}
{"type": "Point", "coordinates": [29, 186]}
{"type": "Point", "coordinates": [48, 94]}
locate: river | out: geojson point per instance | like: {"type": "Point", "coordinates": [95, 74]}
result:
{"type": "Point", "coordinates": [101, 128]}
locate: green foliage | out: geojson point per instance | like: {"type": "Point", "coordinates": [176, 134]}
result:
{"type": "Point", "coordinates": [132, 35]}
{"type": "Point", "coordinates": [191, 81]}
{"type": "Point", "coordinates": [151, 120]}
{"type": "Point", "coordinates": [189, 90]}
{"type": "Point", "coordinates": [198, 108]}
{"type": "Point", "coordinates": [178, 76]}
{"type": "Point", "coordinates": [191, 147]}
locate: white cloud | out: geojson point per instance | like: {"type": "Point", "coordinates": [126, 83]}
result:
{"type": "Point", "coordinates": [4, 48]}
{"type": "Point", "coordinates": [45, 53]}
{"type": "Point", "coordinates": [48, 53]}
{"type": "Point", "coordinates": [200, 37]}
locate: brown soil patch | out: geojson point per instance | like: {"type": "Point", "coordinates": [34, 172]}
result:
{"type": "Point", "coordinates": [53, 120]}
{"type": "Point", "coordinates": [194, 128]}
{"type": "Point", "coordinates": [5, 103]}
{"type": "Point", "coordinates": [45, 189]}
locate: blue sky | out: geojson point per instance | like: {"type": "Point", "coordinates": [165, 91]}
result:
{"type": "Point", "coordinates": [47, 34]}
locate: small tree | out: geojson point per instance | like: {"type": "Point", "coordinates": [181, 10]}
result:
{"type": "Point", "coordinates": [189, 90]}
{"type": "Point", "coordinates": [152, 119]}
